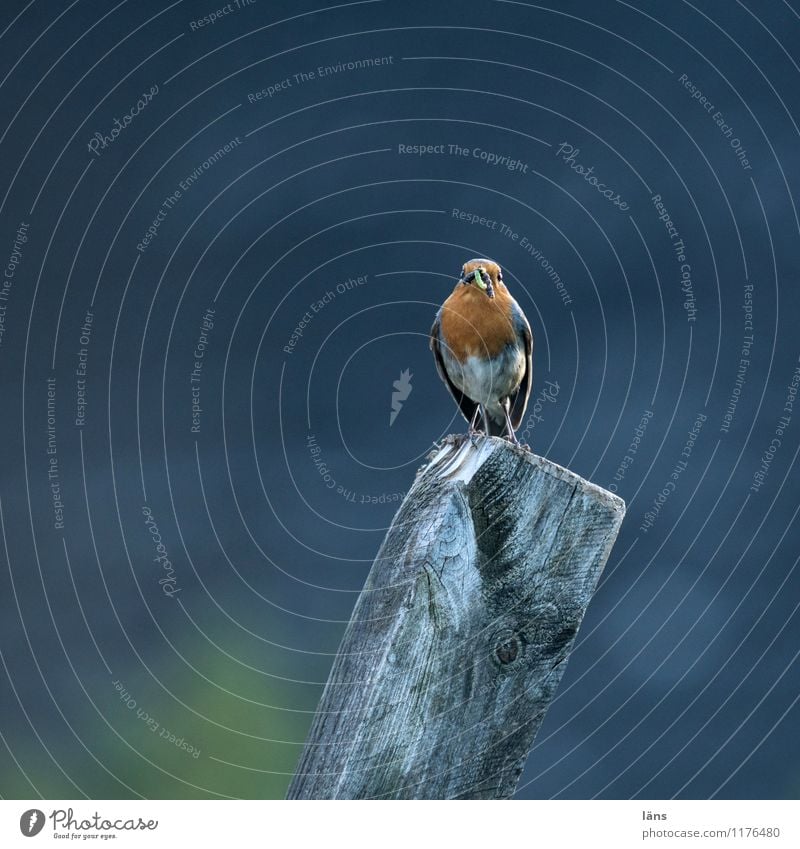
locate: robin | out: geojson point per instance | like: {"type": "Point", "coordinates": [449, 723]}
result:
{"type": "Point", "coordinates": [483, 348]}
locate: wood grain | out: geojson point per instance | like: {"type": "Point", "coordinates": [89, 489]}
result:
{"type": "Point", "coordinates": [461, 634]}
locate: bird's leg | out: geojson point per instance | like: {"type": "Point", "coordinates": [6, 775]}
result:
{"type": "Point", "coordinates": [472, 432]}
{"type": "Point", "coordinates": [471, 429]}
{"type": "Point", "coordinates": [509, 427]}
{"type": "Point", "coordinates": [487, 429]}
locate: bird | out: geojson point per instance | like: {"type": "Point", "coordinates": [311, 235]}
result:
{"type": "Point", "coordinates": [483, 348]}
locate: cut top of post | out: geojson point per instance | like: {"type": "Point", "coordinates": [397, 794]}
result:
{"type": "Point", "coordinates": [459, 638]}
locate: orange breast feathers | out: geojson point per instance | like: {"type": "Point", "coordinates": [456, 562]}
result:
{"type": "Point", "coordinates": [474, 325]}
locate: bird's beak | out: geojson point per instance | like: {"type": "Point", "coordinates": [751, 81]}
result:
{"type": "Point", "coordinates": [481, 279]}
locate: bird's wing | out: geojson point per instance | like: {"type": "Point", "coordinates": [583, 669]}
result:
{"type": "Point", "coordinates": [519, 400]}
{"type": "Point", "coordinates": [467, 405]}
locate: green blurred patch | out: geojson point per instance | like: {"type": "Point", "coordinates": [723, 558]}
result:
{"type": "Point", "coordinates": [227, 731]}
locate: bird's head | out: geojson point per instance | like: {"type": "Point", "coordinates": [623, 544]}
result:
{"type": "Point", "coordinates": [484, 274]}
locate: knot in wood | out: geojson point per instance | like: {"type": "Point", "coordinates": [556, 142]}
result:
{"type": "Point", "coordinates": [507, 647]}
{"type": "Point", "coordinates": [507, 651]}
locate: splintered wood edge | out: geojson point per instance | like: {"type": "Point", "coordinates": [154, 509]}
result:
{"type": "Point", "coordinates": [458, 459]}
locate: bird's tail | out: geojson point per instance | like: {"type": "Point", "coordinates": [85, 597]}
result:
{"type": "Point", "coordinates": [496, 427]}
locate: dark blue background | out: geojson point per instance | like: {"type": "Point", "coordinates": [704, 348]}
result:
{"type": "Point", "coordinates": [684, 680]}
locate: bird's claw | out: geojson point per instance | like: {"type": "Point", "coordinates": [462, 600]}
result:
{"type": "Point", "coordinates": [512, 438]}
{"type": "Point", "coordinates": [455, 439]}
{"type": "Point", "coordinates": [474, 434]}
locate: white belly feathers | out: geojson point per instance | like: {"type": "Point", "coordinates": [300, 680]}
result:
{"type": "Point", "coordinates": [486, 381]}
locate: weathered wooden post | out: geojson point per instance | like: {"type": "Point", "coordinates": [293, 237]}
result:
{"type": "Point", "coordinates": [459, 638]}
